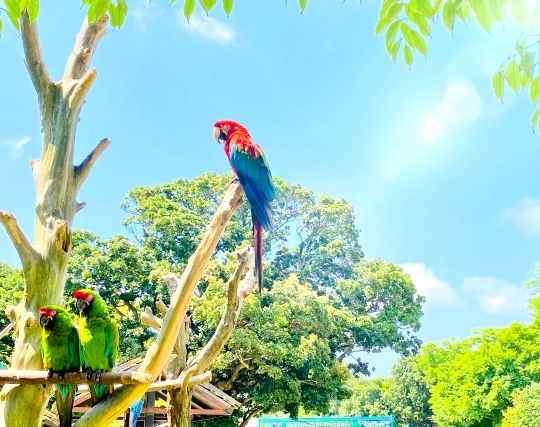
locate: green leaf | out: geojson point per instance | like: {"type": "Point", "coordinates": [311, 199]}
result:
{"type": "Point", "coordinates": [385, 7]}
{"type": "Point", "coordinates": [423, 7]}
{"type": "Point", "coordinates": [413, 38]}
{"type": "Point", "coordinates": [302, 4]}
{"type": "Point", "coordinates": [113, 14]}
{"type": "Point", "coordinates": [97, 9]}
{"type": "Point", "coordinates": [32, 7]}
{"type": "Point", "coordinates": [207, 5]}
{"type": "Point", "coordinates": [395, 50]}
{"type": "Point", "coordinates": [449, 16]}
{"type": "Point", "coordinates": [123, 8]}
{"type": "Point", "coordinates": [14, 13]}
{"type": "Point", "coordinates": [523, 12]}
{"type": "Point", "coordinates": [498, 9]}
{"type": "Point", "coordinates": [535, 89]}
{"type": "Point", "coordinates": [463, 12]}
{"type": "Point", "coordinates": [512, 75]}
{"type": "Point", "coordinates": [227, 6]}
{"type": "Point", "coordinates": [419, 21]}
{"type": "Point", "coordinates": [482, 12]}
{"type": "Point", "coordinates": [118, 13]}
{"type": "Point", "coordinates": [498, 85]}
{"type": "Point", "coordinates": [189, 7]}
{"type": "Point", "coordinates": [535, 120]}
{"type": "Point", "coordinates": [391, 35]}
{"type": "Point", "coordinates": [437, 5]}
{"type": "Point", "coordinates": [391, 14]}
{"type": "Point", "coordinates": [407, 55]}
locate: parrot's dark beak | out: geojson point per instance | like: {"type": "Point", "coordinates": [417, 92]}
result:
{"type": "Point", "coordinates": [82, 305]}
{"type": "Point", "coordinates": [219, 135]}
{"type": "Point", "coordinates": [45, 320]}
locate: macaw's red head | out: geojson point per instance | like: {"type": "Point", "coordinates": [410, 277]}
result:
{"type": "Point", "coordinates": [84, 299]}
{"type": "Point", "coordinates": [222, 129]}
{"type": "Point", "coordinates": [46, 317]}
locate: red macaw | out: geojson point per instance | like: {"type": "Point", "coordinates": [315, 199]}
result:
{"type": "Point", "coordinates": [250, 166]}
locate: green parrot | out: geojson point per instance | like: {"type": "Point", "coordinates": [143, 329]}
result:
{"type": "Point", "coordinates": [60, 352]}
{"type": "Point", "coordinates": [98, 339]}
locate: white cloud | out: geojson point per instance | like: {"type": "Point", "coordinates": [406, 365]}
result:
{"type": "Point", "coordinates": [144, 12]}
{"type": "Point", "coordinates": [16, 145]}
{"type": "Point", "coordinates": [526, 215]}
{"type": "Point", "coordinates": [496, 295]}
{"type": "Point", "coordinates": [207, 27]}
{"type": "Point", "coordinates": [437, 291]}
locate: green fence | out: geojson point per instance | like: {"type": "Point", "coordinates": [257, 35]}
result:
{"type": "Point", "coordinates": [328, 422]}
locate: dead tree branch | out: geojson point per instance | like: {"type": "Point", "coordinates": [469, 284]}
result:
{"type": "Point", "coordinates": [26, 251]}
{"type": "Point", "coordinates": [77, 79]}
{"type": "Point", "coordinates": [148, 319]}
{"type": "Point", "coordinates": [83, 170]}
{"type": "Point", "coordinates": [33, 57]}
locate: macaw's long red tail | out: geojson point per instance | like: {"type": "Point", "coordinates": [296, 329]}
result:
{"type": "Point", "coordinates": [258, 244]}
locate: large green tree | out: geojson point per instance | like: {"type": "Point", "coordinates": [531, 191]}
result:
{"type": "Point", "coordinates": [472, 381]}
{"type": "Point", "coordinates": [319, 286]}
{"type": "Point", "coordinates": [525, 409]}
{"type": "Point", "coordinates": [404, 395]}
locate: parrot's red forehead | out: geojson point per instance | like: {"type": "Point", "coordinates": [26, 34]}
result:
{"type": "Point", "coordinates": [47, 311]}
{"type": "Point", "coordinates": [82, 295]}
{"type": "Point", "coordinates": [220, 123]}
{"type": "Point", "coordinates": [231, 123]}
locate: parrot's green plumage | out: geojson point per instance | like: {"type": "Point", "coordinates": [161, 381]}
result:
{"type": "Point", "coordinates": [60, 352]}
{"type": "Point", "coordinates": [98, 338]}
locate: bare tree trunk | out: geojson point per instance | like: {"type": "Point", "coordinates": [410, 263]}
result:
{"type": "Point", "coordinates": [179, 410]}
{"type": "Point", "coordinates": [174, 399]}
{"type": "Point", "coordinates": [57, 183]}
{"type": "Point", "coordinates": [248, 416]}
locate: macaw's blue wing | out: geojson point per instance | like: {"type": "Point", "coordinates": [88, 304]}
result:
{"type": "Point", "coordinates": [134, 411]}
{"type": "Point", "coordinates": [256, 180]}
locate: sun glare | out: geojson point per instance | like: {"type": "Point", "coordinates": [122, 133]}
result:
{"type": "Point", "coordinates": [431, 127]}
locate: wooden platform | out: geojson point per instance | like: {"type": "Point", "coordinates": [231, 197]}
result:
{"type": "Point", "coordinates": [207, 400]}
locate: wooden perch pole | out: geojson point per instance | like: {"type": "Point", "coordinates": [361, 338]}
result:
{"type": "Point", "coordinates": [194, 380]}
{"type": "Point", "coordinates": [19, 376]}
{"type": "Point", "coordinates": [179, 400]}
{"type": "Point", "coordinates": [158, 354]}
{"type": "Point", "coordinates": [237, 292]}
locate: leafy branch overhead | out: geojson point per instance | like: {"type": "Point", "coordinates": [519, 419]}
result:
{"type": "Point", "coordinates": [406, 24]}
{"type": "Point", "coordinates": [115, 9]}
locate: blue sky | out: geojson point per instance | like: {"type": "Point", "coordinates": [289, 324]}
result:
{"type": "Point", "coordinates": [444, 178]}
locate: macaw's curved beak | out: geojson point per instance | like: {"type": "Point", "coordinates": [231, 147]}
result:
{"type": "Point", "coordinates": [219, 135]}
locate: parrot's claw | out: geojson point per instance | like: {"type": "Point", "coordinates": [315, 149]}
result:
{"type": "Point", "coordinates": [61, 375]}
{"type": "Point", "coordinates": [98, 376]}
{"type": "Point", "coordinates": [89, 373]}
{"type": "Point", "coordinates": [49, 374]}
{"type": "Point", "coordinates": [234, 180]}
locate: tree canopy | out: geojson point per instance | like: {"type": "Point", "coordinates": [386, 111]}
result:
{"type": "Point", "coordinates": [472, 381]}
{"type": "Point", "coordinates": [323, 307]}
